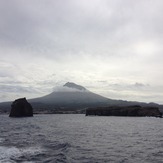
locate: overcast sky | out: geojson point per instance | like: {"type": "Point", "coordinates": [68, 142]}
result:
{"type": "Point", "coordinates": [111, 47]}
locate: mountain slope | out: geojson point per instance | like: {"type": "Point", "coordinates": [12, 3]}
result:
{"type": "Point", "coordinates": [71, 93]}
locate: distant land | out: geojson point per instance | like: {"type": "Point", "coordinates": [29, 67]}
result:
{"type": "Point", "coordinates": [73, 98]}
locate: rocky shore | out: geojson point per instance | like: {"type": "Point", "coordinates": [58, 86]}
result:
{"type": "Point", "coordinates": [134, 111]}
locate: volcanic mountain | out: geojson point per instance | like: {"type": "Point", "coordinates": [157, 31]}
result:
{"type": "Point", "coordinates": [72, 97]}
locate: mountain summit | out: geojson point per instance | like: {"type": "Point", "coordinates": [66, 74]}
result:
{"type": "Point", "coordinates": [74, 86]}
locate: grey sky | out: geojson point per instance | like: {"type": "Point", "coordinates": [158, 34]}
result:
{"type": "Point", "coordinates": [112, 47]}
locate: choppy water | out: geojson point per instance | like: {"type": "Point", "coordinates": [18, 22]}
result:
{"type": "Point", "coordinates": [80, 139]}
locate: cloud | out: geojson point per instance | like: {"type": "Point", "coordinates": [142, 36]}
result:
{"type": "Point", "coordinates": [119, 42]}
{"type": "Point", "coordinates": [57, 29]}
{"type": "Point", "coordinates": [14, 88]}
{"type": "Point", "coordinates": [139, 85]}
{"type": "Point", "coordinates": [10, 92]}
{"type": "Point", "coordinates": [16, 26]}
{"type": "Point", "coordinates": [76, 25]}
{"type": "Point", "coordinates": [66, 89]}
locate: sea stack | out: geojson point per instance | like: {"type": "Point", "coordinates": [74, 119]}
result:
{"type": "Point", "coordinates": [21, 108]}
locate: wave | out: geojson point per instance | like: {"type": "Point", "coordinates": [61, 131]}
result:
{"type": "Point", "coordinates": [2, 140]}
{"type": "Point", "coordinates": [13, 154]}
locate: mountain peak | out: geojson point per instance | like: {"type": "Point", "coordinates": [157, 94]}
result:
{"type": "Point", "coordinates": [74, 86]}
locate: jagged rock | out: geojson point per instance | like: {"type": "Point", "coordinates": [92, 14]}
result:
{"type": "Point", "coordinates": [21, 108]}
{"type": "Point", "coordinates": [125, 111]}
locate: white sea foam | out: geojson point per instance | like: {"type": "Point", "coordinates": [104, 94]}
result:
{"type": "Point", "coordinates": [31, 151]}
{"type": "Point", "coordinates": [8, 153]}
{"type": "Point", "coordinates": [2, 140]}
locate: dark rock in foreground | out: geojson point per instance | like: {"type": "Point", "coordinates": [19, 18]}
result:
{"type": "Point", "coordinates": [21, 108]}
{"type": "Point", "coordinates": [135, 111]}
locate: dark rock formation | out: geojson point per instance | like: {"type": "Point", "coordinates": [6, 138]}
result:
{"type": "Point", "coordinates": [21, 108]}
{"type": "Point", "coordinates": [125, 111]}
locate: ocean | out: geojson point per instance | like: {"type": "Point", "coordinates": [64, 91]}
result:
{"type": "Point", "coordinates": [76, 138]}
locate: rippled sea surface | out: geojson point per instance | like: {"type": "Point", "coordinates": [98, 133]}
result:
{"type": "Point", "coordinates": [80, 139]}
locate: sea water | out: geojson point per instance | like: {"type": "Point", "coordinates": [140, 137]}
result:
{"type": "Point", "coordinates": [75, 138]}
